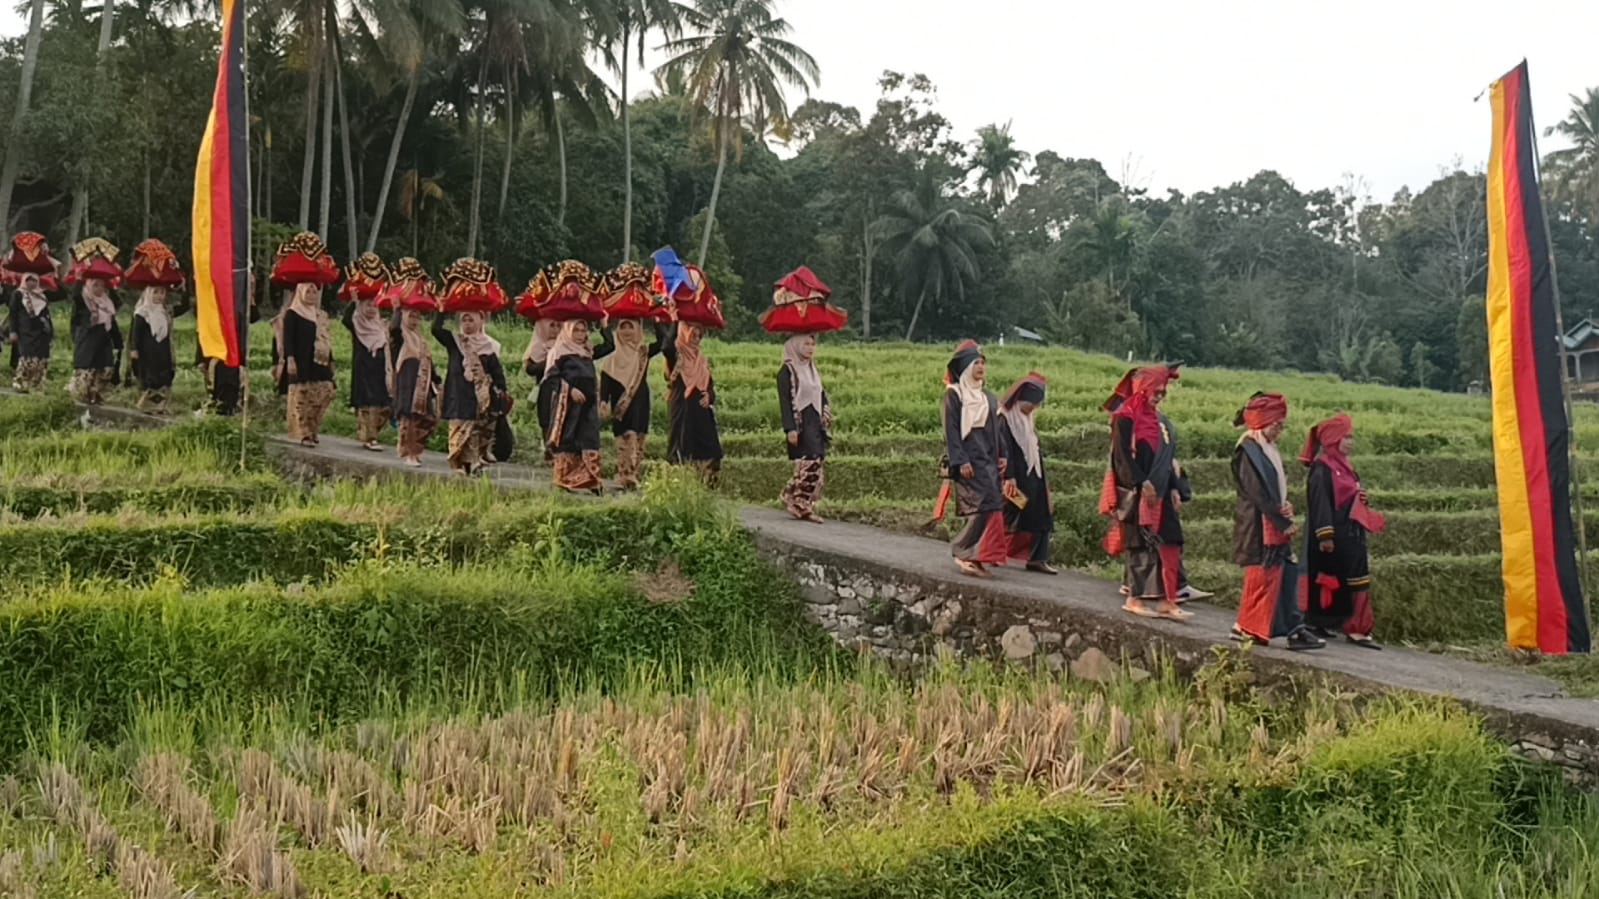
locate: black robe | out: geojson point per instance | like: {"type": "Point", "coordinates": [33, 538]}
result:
{"type": "Point", "coordinates": [154, 366]}
{"type": "Point", "coordinates": [544, 402]}
{"type": "Point", "coordinates": [299, 344]}
{"type": "Point", "coordinates": [408, 381]}
{"type": "Point", "coordinates": [635, 415]}
{"type": "Point", "coordinates": [369, 371]}
{"type": "Point", "coordinates": [460, 394]}
{"type": "Point", "coordinates": [1135, 463]}
{"type": "Point", "coordinates": [575, 426]}
{"type": "Point", "coordinates": [34, 333]}
{"type": "Point", "coordinates": [813, 435]}
{"type": "Point", "coordinates": [1259, 500]}
{"type": "Point", "coordinates": [1348, 562]}
{"type": "Point", "coordinates": [692, 434]}
{"type": "Point", "coordinates": [1036, 518]}
{"type": "Point", "coordinates": [94, 347]}
{"type": "Point", "coordinates": [982, 449]}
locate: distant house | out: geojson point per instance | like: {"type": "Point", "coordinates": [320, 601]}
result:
{"type": "Point", "coordinates": [1582, 356]}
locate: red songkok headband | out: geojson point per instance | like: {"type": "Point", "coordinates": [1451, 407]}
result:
{"type": "Point", "coordinates": [1141, 381]}
{"type": "Point", "coordinates": [1326, 434]}
{"type": "Point", "coordinates": [1264, 411]}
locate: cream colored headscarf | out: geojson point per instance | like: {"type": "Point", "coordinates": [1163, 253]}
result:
{"type": "Point", "coordinates": [102, 312]}
{"type": "Point", "coordinates": [807, 381]}
{"type": "Point", "coordinates": [155, 313]}
{"type": "Point", "coordinates": [974, 401]}
{"type": "Point", "coordinates": [370, 328]}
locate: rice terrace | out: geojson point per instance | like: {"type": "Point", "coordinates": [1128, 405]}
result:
{"type": "Point", "coordinates": [1200, 502]}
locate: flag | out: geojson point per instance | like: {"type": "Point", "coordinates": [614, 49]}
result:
{"type": "Point", "coordinates": [222, 205]}
{"type": "Point", "coordinates": [1544, 607]}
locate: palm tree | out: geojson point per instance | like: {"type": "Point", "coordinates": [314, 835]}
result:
{"type": "Point", "coordinates": [19, 114]}
{"type": "Point", "coordinates": [737, 58]}
{"type": "Point", "coordinates": [934, 242]}
{"type": "Point", "coordinates": [997, 162]}
{"type": "Point", "coordinates": [1575, 169]}
{"type": "Point", "coordinates": [80, 193]}
{"type": "Point", "coordinates": [630, 22]}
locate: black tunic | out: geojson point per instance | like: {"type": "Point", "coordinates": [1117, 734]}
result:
{"type": "Point", "coordinates": [982, 450]}
{"type": "Point", "coordinates": [635, 417]}
{"type": "Point", "coordinates": [813, 435]}
{"type": "Point", "coordinates": [1258, 500]}
{"type": "Point", "coordinates": [1348, 562]}
{"type": "Point", "coordinates": [299, 344]}
{"type": "Point", "coordinates": [460, 394]}
{"type": "Point", "coordinates": [369, 371]}
{"type": "Point", "coordinates": [93, 346]}
{"type": "Point", "coordinates": [1036, 517]}
{"type": "Point", "coordinates": [154, 365]}
{"type": "Point", "coordinates": [544, 403]}
{"type": "Point", "coordinates": [577, 425]}
{"type": "Point", "coordinates": [1136, 462]}
{"type": "Point", "coordinates": [34, 333]}
{"type": "Point", "coordinates": [692, 434]}
{"type": "Point", "coordinates": [407, 376]}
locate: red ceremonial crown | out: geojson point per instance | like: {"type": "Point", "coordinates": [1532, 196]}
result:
{"type": "Point", "coordinates": [364, 279]}
{"type": "Point", "coordinates": [469, 286]}
{"type": "Point", "coordinates": [562, 292]}
{"type": "Point", "coordinates": [800, 306]}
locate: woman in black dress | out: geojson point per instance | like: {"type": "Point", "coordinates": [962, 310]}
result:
{"type": "Point", "coordinates": [1147, 500]}
{"type": "Point", "coordinates": [308, 363]}
{"type": "Point", "coordinates": [150, 349]}
{"type": "Point", "coordinates": [96, 342]}
{"type": "Point", "coordinates": [975, 458]}
{"type": "Point", "coordinates": [1337, 566]}
{"type": "Point", "coordinates": [535, 362]}
{"type": "Point", "coordinates": [625, 394]}
{"type": "Point", "coordinates": [692, 436]}
{"type": "Point", "coordinates": [369, 371]}
{"type": "Point", "coordinates": [808, 424]}
{"type": "Point", "coordinates": [416, 385]}
{"type": "Point", "coordinates": [29, 330]}
{"type": "Point", "coordinates": [1029, 507]}
{"type": "Point", "coordinates": [575, 417]}
{"type": "Point", "coordinates": [473, 385]}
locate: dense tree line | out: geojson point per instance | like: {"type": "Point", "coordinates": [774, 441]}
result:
{"type": "Point", "coordinates": [441, 128]}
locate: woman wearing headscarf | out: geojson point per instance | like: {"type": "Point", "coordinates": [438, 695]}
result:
{"type": "Point", "coordinates": [1264, 529]}
{"type": "Point", "coordinates": [369, 371]}
{"type": "Point", "coordinates": [308, 363]}
{"type": "Point", "coordinates": [1337, 567]}
{"type": "Point", "coordinates": [150, 348]}
{"type": "Point", "coordinates": [1144, 495]}
{"type": "Point", "coordinates": [416, 386]}
{"type": "Point", "coordinates": [29, 330]}
{"type": "Point", "coordinates": [808, 424]}
{"type": "Point", "coordinates": [1029, 507]}
{"type": "Point", "coordinates": [575, 418]}
{"type": "Point", "coordinates": [693, 437]}
{"type": "Point", "coordinates": [96, 342]}
{"type": "Point", "coordinates": [975, 460]}
{"type": "Point", "coordinates": [536, 362]}
{"type": "Point", "coordinates": [625, 393]}
{"type": "Point", "coordinates": [472, 384]}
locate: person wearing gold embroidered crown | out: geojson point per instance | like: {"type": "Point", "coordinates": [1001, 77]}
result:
{"type": "Point", "coordinates": [96, 336]}
{"type": "Point", "coordinates": [304, 264]}
{"type": "Point", "coordinates": [155, 272]}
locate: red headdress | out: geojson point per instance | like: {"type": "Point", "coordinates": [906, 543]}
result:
{"type": "Point", "coordinates": [627, 293]}
{"type": "Point", "coordinates": [94, 258]}
{"type": "Point", "coordinates": [1326, 436]}
{"type": "Point", "coordinates": [304, 259]}
{"type": "Point", "coordinates": [703, 308]}
{"type": "Point", "coordinates": [563, 291]}
{"type": "Point", "coordinates": [469, 286]}
{"type": "Point", "coordinates": [30, 255]}
{"type": "Point", "coordinates": [800, 306]}
{"type": "Point", "coordinates": [364, 279]}
{"type": "Point", "coordinates": [1323, 443]}
{"type": "Point", "coordinates": [154, 265]}
{"type": "Point", "coordinates": [409, 287]}
{"type": "Point", "coordinates": [1262, 411]}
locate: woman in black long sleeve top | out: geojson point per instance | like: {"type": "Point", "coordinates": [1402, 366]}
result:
{"type": "Point", "coordinates": [807, 425]}
{"type": "Point", "coordinates": [416, 385]}
{"type": "Point", "coordinates": [30, 331]}
{"type": "Point", "coordinates": [535, 362]}
{"type": "Point", "coordinates": [575, 418]}
{"type": "Point", "coordinates": [1149, 497]}
{"type": "Point", "coordinates": [474, 390]}
{"type": "Point", "coordinates": [693, 437]}
{"type": "Point", "coordinates": [625, 393]}
{"type": "Point", "coordinates": [150, 348]}
{"type": "Point", "coordinates": [976, 462]}
{"type": "Point", "coordinates": [369, 371]}
{"type": "Point", "coordinates": [96, 342]}
{"type": "Point", "coordinates": [308, 363]}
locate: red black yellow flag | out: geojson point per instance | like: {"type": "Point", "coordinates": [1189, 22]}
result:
{"type": "Point", "coordinates": [1544, 607]}
{"type": "Point", "coordinates": [222, 205]}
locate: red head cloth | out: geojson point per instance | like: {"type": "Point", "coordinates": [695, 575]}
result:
{"type": "Point", "coordinates": [304, 259]}
{"type": "Point", "coordinates": [30, 254]}
{"type": "Point", "coordinates": [1145, 381]}
{"type": "Point", "coordinates": [1326, 436]}
{"type": "Point", "coordinates": [1263, 411]}
{"type": "Point", "coordinates": [154, 265]}
{"type": "Point", "coordinates": [1133, 400]}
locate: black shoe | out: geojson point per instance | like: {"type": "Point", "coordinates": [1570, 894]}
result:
{"type": "Point", "coordinates": [1320, 631]}
{"type": "Point", "coordinates": [1042, 568]}
{"type": "Point", "coordinates": [1303, 639]}
{"type": "Point", "coordinates": [1367, 643]}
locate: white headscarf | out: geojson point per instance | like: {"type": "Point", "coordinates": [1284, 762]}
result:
{"type": "Point", "coordinates": [32, 299]}
{"type": "Point", "coordinates": [369, 326]}
{"type": "Point", "coordinates": [1025, 434]}
{"type": "Point", "coordinates": [807, 381]}
{"type": "Point", "coordinates": [1272, 456]}
{"type": "Point", "coordinates": [974, 401]}
{"type": "Point", "coordinates": [155, 313]}
{"type": "Point", "coordinates": [102, 311]}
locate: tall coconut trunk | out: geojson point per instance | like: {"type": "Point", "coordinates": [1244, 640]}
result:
{"type": "Point", "coordinates": [627, 155]}
{"type": "Point", "coordinates": [325, 209]}
{"type": "Point", "coordinates": [308, 162]}
{"type": "Point", "coordinates": [394, 160]}
{"type": "Point", "coordinates": [868, 254]}
{"type": "Point", "coordinates": [560, 146]}
{"type": "Point", "coordinates": [716, 188]}
{"type": "Point", "coordinates": [146, 197]}
{"type": "Point", "coordinates": [352, 223]}
{"type": "Point", "coordinates": [916, 313]}
{"type": "Point", "coordinates": [510, 141]}
{"type": "Point", "coordinates": [266, 165]}
{"type": "Point", "coordinates": [80, 194]}
{"type": "Point", "coordinates": [30, 64]}
{"type": "Point", "coordinates": [474, 216]}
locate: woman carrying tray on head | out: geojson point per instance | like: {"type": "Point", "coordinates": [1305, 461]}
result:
{"type": "Point", "coordinates": [800, 309]}
{"type": "Point", "coordinates": [154, 271]}
{"type": "Point", "coordinates": [535, 362]}
{"type": "Point", "coordinates": [693, 437]}
{"type": "Point", "coordinates": [624, 375]}
{"type": "Point", "coordinates": [575, 417]}
{"type": "Point", "coordinates": [96, 336]}
{"type": "Point", "coordinates": [365, 279]}
{"type": "Point", "coordinates": [1337, 566]}
{"type": "Point", "coordinates": [416, 383]}
{"type": "Point", "coordinates": [304, 264]}
{"type": "Point", "coordinates": [29, 329]}
{"type": "Point", "coordinates": [475, 396]}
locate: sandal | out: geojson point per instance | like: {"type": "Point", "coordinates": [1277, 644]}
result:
{"type": "Point", "coordinates": [970, 569]}
{"type": "Point", "coordinates": [1139, 609]}
{"type": "Point", "coordinates": [1173, 614]}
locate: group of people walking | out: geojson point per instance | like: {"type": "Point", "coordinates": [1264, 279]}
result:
{"type": "Point", "coordinates": [993, 467]}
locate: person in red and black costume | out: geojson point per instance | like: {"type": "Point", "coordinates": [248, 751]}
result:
{"type": "Point", "coordinates": [1264, 530]}
{"type": "Point", "coordinates": [1337, 568]}
{"type": "Point", "coordinates": [1029, 507]}
{"type": "Point", "coordinates": [1147, 496]}
{"type": "Point", "coordinates": [976, 459]}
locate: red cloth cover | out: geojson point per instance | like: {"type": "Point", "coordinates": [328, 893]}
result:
{"type": "Point", "coordinates": [29, 255]}
{"type": "Point", "coordinates": [469, 286]}
{"type": "Point", "coordinates": [154, 265]}
{"type": "Point", "coordinates": [304, 259]}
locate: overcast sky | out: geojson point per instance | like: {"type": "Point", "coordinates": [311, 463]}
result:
{"type": "Point", "coordinates": [1195, 95]}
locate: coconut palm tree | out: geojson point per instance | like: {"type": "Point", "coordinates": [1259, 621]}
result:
{"type": "Point", "coordinates": [737, 58]}
{"type": "Point", "coordinates": [19, 113]}
{"type": "Point", "coordinates": [997, 162]}
{"type": "Point", "coordinates": [933, 239]}
{"type": "Point", "coordinates": [627, 23]}
{"type": "Point", "coordinates": [1575, 169]}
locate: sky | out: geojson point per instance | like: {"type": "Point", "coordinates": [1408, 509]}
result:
{"type": "Point", "coordinates": [1195, 95]}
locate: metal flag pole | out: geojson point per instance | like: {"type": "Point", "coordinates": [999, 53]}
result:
{"type": "Point", "coordinates": [243, 327]}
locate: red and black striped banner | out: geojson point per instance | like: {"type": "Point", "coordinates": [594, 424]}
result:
{"type": "Point", "coordinates": [222, 205]}
{"type": "Point", "coordinates": [1544, 608]}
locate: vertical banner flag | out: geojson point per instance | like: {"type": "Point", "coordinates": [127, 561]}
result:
{"type": "Point", "coordinates": [1544, 607]}
{"type": "Point", "coordinates": [222, 205]}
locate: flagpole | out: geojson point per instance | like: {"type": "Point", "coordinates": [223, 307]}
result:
{"type": "Point", "coordinates": [1575, 499]}
{"type": "Point", "coordinates": [243, 327]}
